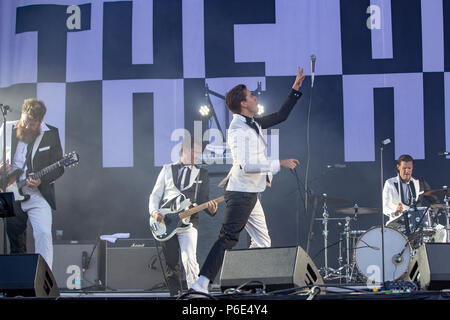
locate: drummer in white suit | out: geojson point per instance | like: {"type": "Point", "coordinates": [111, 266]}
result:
{"type": "Point", "coordinates": [249, 175]}
{"type": "Point", "coordinates": [403, 191]}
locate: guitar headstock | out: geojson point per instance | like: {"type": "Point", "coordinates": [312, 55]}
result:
{"type": "Point", "coordinates": [70, 159]}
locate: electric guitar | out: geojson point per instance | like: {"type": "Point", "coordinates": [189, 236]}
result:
{"type": "Point", "coordinates": [15, 185]}
{"type": "Point", "coordinates": [174, 221]}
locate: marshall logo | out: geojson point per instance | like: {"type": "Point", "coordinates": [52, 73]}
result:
{"type": "Point", "coordinates": [137, 245]}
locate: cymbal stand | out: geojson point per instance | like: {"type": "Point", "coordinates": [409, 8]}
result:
{"type": "Point", "coordinates": [340, 257]}
{"type": "Point", "coordinates": [347, 242]}
{"type": "Point", "coordinates": [325, 232]}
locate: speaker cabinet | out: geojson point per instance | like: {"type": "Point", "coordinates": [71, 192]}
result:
{"type": "Point", "coordinates": [277, 268]}
{"type": "Point", "coordinates": [26, 275]}
{"type": "Point", "coordinates": [430, 266]}
{"type": "Point", "coordinates": [76, 264]}
{"type": "Point", "coordinates": [131, 264]}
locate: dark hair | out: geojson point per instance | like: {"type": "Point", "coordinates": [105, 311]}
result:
{"type": "Point", "coordinates": [404, 158]}
{"type": "Point", "coordinates": [234, 98]}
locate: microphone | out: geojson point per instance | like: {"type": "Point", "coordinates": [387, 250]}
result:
{"type": "Point", "coordinates": [336, 165]}
{"type": "Point", "coordinates": [84, 261]}
{"type": "Point", "coordinates": [313, 69]}
{"type": "Point", "coordinates": [5, 107]}
{"type": "Point", "coordinates": [258, 89]}
{"type": "Point", "coordinates": [445, 153]}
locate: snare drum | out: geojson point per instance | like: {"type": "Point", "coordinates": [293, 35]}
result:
{"type": "Point", "coordinates": [368, 254]}
{"type": "Point", "coordinates": [414, 222]}
{"type": "Point", "coordinates": [417, 220]}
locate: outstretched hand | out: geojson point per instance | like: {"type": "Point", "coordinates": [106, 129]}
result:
{"type": "Point", "coordinates": [299, 79]}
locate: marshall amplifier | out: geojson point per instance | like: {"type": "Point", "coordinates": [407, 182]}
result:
{"type": "Point", "coordinates": [131, 264]}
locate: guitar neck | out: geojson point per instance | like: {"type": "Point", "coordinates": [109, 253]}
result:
{"type": "Point", "coordinates": [48, 169]}
{"type": "Point", "coordinates": [199, 208]}
{"type": "Point", "coordinates": [41, 173]}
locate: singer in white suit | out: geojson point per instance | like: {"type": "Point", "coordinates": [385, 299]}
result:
{"type": "Point", "coordinates": [249, 175]}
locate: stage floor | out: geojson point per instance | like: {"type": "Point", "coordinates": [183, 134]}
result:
{"type": "Point", "coordinates": [327, 292]}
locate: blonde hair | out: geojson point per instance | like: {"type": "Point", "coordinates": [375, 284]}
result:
{"type": "Point", "coordinates": [34, 108]}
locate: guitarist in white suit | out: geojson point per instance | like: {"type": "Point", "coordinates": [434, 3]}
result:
{"type": "Point", "coordinates": [176, 182]}
{"type": "Point", "coordinates": [250, 173]}
{"type": "Point", "coordinates": [31, 146]}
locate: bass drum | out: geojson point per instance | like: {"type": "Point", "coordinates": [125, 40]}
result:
{"type": "Point", "coordinates": [368, 254]}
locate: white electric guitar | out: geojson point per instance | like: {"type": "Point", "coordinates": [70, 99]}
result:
{"type": "Point", "coordinates": [174, 220]}
{"type": "Point", "coordinates": [15, 185]}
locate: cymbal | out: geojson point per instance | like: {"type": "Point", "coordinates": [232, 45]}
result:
{"type": "Point", "coordinates": [361, 210]}
{"type": "Point", "coordinates": [437, 192]}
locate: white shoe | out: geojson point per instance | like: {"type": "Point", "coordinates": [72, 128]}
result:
{"type": "Point", "coordinates": [199, 288]}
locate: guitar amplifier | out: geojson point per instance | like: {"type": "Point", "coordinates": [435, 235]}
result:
{"type": "Point", "coordinates": [75, 264]}
{"type": "Point", "coordinates": [131, 264]}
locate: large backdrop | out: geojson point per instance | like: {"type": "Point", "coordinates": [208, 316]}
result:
{"type": "Point", "coordinates": [120, 77]}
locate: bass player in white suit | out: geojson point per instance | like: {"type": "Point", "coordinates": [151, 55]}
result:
{"type": "Point", "coordinates": [175, 183]}
{"type": "Point", "coordinates": [249, 175]}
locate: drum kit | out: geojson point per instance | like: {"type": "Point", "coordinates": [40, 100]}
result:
{"type": "Point", "coordinates": [360, 251]}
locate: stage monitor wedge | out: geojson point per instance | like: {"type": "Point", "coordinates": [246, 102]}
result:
{"type": "Point", "coordinates": [26, 275]}
{"type": "Point", "coordinates": [277, 268]}
{"type": "Point", "coordinates": [431, 266]}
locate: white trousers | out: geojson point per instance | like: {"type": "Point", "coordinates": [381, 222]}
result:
{"type": "Point", "coordinates": [40, 215]}
{"type": "Point", "coordinates": [188, 248]}
{"type": "Point", "coordinates": [256, 227]}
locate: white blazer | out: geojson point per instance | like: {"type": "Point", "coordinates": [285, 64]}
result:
{"type": "Point", "coordinates": [165, 188]}
{"type": "Point", "coordinates": [392, 195]}
{"type": "Point", "coordinates": [251, 168]}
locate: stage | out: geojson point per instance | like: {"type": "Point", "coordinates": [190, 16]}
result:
{"type": "Point", "coordinates": [326, 292]}
{"type": "Point", "coordinates": [217, 305]}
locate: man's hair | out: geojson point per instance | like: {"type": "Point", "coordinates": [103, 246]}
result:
{"type": "Point", "coordinates": [403, 158]}
{"type": "Point", "coordinates": [34, 108]}
{"type": "Point", "coordinates": [234, 98]}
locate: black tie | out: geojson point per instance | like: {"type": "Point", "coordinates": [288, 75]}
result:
{"type": "Point", "coordinates": [28, 158]}
{"type": "Point", "coordinates": [251, 122]}
{"type": "Point", "coordinates": [187, 173]}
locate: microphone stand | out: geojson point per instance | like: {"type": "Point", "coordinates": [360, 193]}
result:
{"type": "Point", "coordinates": [382, 214]}
{"type": "Point", "coordinates": [4, 111]}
